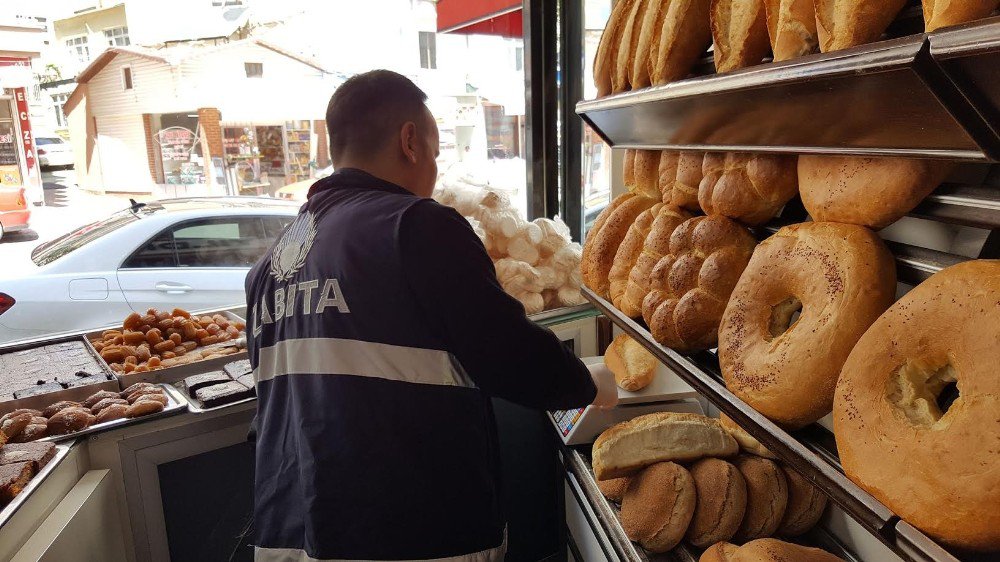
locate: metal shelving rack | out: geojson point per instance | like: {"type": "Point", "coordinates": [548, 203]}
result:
{"type": "Point", "coordinates": [931, 95]}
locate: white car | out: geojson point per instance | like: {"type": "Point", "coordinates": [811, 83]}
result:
{"type": "Point", "coordinates": [53, 152]}
{"type": "Point", "coordinates": [188, 253]}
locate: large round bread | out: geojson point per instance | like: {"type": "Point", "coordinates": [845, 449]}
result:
{"type": "Point", "coordinates": [658, 506]}
{"type": "Point", "coordinates": [657, 244]}
{"type": "Point", "coordinates": [842, 277]}
{"type": "Point", "coordinates": [940, 473]}
{"type": "Point", "coordinates": [805, 505]}
{"type": "Point", "coordinates": [632, 445]}
{"type": "Point", "coordinates": [613, 489]}
{"type": "Point", "coordinates": [628, 254]}
{"type": "Point", "coordinates": [750, 188]}
{"type": "Point", "coordinates": [690, 286]}
{"type": "Point", "coordinates": [774, 550]}
{"type": "Point", "coordinates": [842, 24]}
{"type": "Point", "coordinates": [722, 502]}
{"type": "Point", "coordinates": [872, 192]}
{"type": "Point", "coordinates": [943, 13]}
{"type": "Point", "coordinates": [719, 552]}
{"type": "Point", "coordinates": [767, 497]}
{"type": "Point", "coordinates": [596, 264]}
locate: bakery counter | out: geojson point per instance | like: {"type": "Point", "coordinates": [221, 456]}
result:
{"type": "Point", "coordinates": [597, 533]}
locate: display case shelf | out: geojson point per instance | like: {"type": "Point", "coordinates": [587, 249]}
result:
{"type": "Point", "coordinates": [828, 103]}
{"type": "Point", "coordinates": [807, 454]}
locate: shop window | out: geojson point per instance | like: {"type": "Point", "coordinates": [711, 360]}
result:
{"type": "Point", "coordinates": [428, 49]}
{"type": "Point", "coordinates": [519, 58]}
{"type": "Point", "coordinates": [126, 78]}
{"type": "Point", "coordinates": [78, 49]}
{"type": "Point", "coordinates": [215, 242]}
{"type": "Point", "coordinates": [254, 69]}
{"type": "Point", "coordinates": [117, 36]}
{"type": "Point", "coordinates": [58, 101]}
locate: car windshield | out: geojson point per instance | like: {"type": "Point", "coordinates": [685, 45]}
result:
{"type": "Point", "coordinates": [41, 141]}
{"type": "Point", "coordinates": [51, 251]}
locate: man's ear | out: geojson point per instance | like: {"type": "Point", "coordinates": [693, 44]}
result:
{"type": "Point", "coordinates": [408, 141]}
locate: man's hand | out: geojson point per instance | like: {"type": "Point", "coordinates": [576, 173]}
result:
{"type": "Point", "coordinates": [607, 389]}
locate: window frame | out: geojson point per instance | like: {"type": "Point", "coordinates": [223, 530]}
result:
{"type": "Point", "coordinates": [111, 35]}
{"type": "Point", "coordinates": [187, 222]}
{"type": "Point", "coordinates": [128, 78]}
{"type": "Point", "coordinates": [73, 45]}
{"type": "Point", "coordinates": [430, 49]}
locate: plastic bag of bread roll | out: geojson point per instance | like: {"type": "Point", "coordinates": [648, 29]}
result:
{"type": "Point", "coordinates": [570, 295]}
{"type": "Point", "coordinates": [555, 235]}
{"type": "Point", "coordinates": [524, 246]}
{"type": "Point", "coordinates": [522, 282]}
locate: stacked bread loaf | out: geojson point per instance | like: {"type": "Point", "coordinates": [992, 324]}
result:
{"type": "Point", "coordinates": [537, 263]}
{"type": "Point", "coordinates": [681, 476]}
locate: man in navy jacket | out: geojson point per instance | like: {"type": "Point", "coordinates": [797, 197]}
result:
{"type": "Point", "coordinates": [378, 334]}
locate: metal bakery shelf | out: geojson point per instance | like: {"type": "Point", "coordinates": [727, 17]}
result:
{"type": "Point", "coordinates": [701, 372]}
{"type": "Point", "coordinates": [827, 103]}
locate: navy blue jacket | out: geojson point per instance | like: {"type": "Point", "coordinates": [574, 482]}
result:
{"type": "Point", "coordinates": [378, 334]}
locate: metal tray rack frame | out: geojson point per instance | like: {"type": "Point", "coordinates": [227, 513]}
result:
{"type": "Point", "coordinates": [10, 509]}
{"type": "Point", "coordinates": [810, 452]}
{"type": "Point", "coordinates": [938, 95]}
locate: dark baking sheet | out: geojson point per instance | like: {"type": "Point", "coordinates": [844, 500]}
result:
{"type": "Point", "coordinates": [10, 509]}
{"type": "Point", "coordinates": [177, 404]}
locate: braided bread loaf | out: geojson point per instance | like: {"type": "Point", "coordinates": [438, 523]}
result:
{"type": "Point", "coordinates": [657, 244]}
{"type": "Point", "coordinates": [750, 188]}
{"type": "Point", "coordinates": [682, 190]}
{"type": "Point", "coordinates": [628, 253]}
{"type": "Point", "coordinates": [690, 286]}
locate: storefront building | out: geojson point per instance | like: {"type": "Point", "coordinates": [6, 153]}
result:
{"type": "Point", "coordinates": [20, 42]}
{"type": "Point", "coordinates": [251, 126]}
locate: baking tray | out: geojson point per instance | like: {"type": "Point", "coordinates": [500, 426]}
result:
{"type": "Point", "coordinates": [195, 407]}
{"type": "Point", "coordinates": [10, 509]}
{"type": "Point", "coordinates": [174, 374]}
{"type": "Point", "coordinates": [176, 405]}
{"type": "Point", "coordinates": [75, 393]}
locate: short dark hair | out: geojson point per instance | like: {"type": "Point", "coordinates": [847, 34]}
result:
{"type": "Point", "coordinates": [368, 108]}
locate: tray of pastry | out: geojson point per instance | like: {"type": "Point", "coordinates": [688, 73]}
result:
{"type": "Point", "coordinates": [164, 346]}
{"type": "Point", "coordinates": [104, 410]}
{"type": "Point", "coordinates": [231, 385]}
{"type": "Point", "coordinates": [37, 373]}
{"type": "Point", "coordinates": [23, 467]}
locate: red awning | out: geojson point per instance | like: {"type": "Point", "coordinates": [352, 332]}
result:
{"type": "Point", "coordinates": [487, 17]}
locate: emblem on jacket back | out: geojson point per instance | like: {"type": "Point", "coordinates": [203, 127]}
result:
{"type": "Point", "coordinates": [289, 255]}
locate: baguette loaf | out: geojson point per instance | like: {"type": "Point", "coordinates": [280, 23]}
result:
{"type": "Point", "coordinates": [842, 24]}
{"type": "Point", "coordinates": [942, 13]}
{"type": "Point", "coordinates": [606, 58]}
{"type": "Point", "coordinates": [628, 253]}
{"type": "Point", "coordinates": [647, 48]}
{"type": "Point", "coordinates": [588, 246]}
{"type": "Point", "coordinates": [739, 31]}
{"type": "Point", "coordinates": [633, 365]}
{"type": "Point", "coordinates": [684, 36]}
{"type": "Point", "coordinates": [621, 80]}
{"type": "Point", "coordinates": [629, 446]}
{"type": "Point", "coordinates": [791, 25]}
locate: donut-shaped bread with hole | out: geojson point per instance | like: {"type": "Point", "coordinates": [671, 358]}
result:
{"type": "Point", "coordinates": [840, 278]}
{"type": "Point", "coordinates": [690, 285]}
{"type": "Point", "coordinates": [917, 409]}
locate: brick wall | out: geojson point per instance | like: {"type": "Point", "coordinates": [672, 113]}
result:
{"type": "Point", "coordinates": [152, 155]}
{"type": "Point", "coordinates": [210, 120]}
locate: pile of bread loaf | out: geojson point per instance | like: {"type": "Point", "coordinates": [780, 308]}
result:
{"type": "Point", "coordinates": [537, 263]}
{"type": "Point", "coordinates": [804, 321]}
{"type": "Point", "coordinates": [696, 485]}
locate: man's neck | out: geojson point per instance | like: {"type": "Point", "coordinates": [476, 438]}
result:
{"type": "Point", "coordinates": [380, 171]}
